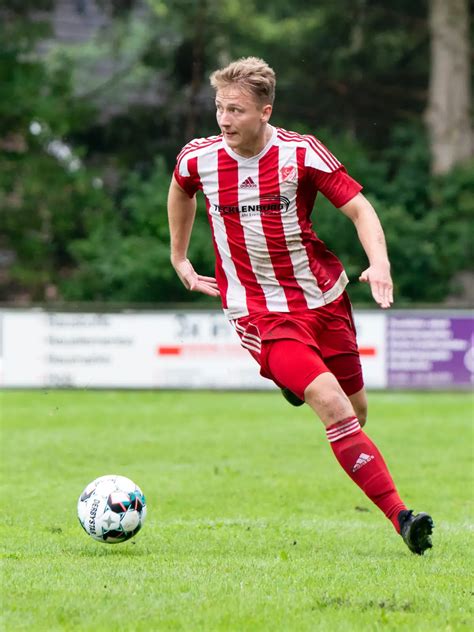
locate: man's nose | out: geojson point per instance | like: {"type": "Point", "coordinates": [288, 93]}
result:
{"type": "Point", "coordinates": [224, 119]}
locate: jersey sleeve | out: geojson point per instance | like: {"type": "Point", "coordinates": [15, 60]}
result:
{"type": "Point", "coordinates": [328, 174]}
{"type": "Point", "coordinates": [337, 186]}
{"type": "Point", "coordinates": [186, 173]}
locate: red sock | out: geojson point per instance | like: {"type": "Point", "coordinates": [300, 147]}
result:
{"type": "Point", "coordinates": [360, 458]}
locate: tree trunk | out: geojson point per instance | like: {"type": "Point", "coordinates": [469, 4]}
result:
{"type": "Point", "coordinates": [448, 116]}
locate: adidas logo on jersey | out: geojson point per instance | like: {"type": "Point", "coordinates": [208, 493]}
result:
{"type": "Point", "coordinates": [248, 183]}
{"type": "Point", "coordinates": [362, 460]}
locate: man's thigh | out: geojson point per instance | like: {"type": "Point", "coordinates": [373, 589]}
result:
{"type": "Point", "coordinates": [292, 364]}
{"type": "Point", "coordinates": [327, 333]}
{"type": "Point", "coordinates": [337, 341]}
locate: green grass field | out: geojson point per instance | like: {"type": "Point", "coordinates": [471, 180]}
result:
{"type": "Point", "coordinates": [251, 523]}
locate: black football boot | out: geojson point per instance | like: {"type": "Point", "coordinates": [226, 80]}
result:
{"type": "Point", "coordinates": [416, 530]}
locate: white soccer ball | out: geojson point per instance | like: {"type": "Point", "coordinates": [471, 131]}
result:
{"type": "Point", "coordinates": [111, 509]}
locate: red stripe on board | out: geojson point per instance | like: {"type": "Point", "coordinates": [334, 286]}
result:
{"type": "Point", "coordinates": [228, 174]}
{"type": "Point", "coordinates": [367, 351]}
{"type": "Point", "coordinates": [169, 351]}
{"type": "Point", "coordinates": [272, 224]}
{"type": "Point", "coordinates": [204, 349]}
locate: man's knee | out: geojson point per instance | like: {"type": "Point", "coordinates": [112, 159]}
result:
{"type": "Point", "coordinates": [327, 399]}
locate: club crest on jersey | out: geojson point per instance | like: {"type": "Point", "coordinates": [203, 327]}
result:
{"type": "Point", "coordinates": [288, 174]}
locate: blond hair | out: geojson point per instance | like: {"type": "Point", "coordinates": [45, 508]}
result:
{"type": "Point", "coordinates": [250, 73]}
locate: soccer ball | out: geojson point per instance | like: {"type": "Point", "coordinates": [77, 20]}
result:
{"type": "Point", "coordinates": [111, 509]}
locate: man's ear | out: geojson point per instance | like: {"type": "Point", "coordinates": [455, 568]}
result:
{"type": "Point", "coordinates": [266, 113]}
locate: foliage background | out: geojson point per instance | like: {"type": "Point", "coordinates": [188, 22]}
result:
{"type": "Point", "coordinates": [86, 153]}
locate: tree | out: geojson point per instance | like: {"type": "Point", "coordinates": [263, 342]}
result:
{"type": "Point", "coordinates": [353, 73]}
{"type": "Point", "coordinates": [47, 195]}
{"type": "Point", "coordinates": [448, 115]}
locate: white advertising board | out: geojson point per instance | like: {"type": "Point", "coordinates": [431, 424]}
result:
{"type": "Point", "coordinates": [146, 350]}
{"type": "Point", "coordinates": [371, 339]}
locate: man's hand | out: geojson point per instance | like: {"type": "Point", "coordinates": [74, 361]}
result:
{"type": "Point", "coordinates": [181, 213]}
{"type": "Point", "coordinates": [193, 281]}
{"type": "Point", "coordinates": [380, 281]}
{"type": "Point", "coordinates": [372, 238]}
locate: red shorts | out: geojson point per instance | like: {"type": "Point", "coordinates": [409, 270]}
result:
{"type": "Point", "coordinates": [292, 349]}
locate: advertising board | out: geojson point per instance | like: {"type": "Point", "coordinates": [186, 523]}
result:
{"type": "Point", "coordinates": [199, 349]}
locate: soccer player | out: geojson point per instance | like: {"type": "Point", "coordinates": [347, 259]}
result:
{"type": "Point", "coordinates": [281, 288]}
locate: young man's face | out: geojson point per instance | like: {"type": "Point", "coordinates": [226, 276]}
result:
{"type": "Point", "coordinates": [242, 119]}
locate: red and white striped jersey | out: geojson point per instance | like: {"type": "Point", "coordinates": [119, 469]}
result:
{"type": "Point", "coordinates": [268, 257]}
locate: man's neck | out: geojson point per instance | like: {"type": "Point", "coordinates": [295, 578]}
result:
{"type": "Point", "coordinates": [260, 143]}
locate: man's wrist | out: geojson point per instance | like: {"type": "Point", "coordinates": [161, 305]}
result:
{"type": "Point", "coordinates": [380, 262]}
{"type": "Point", "coordinates": [177, 259]}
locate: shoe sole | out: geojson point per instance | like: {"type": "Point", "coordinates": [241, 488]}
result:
{"type": "Point", "coordinates": [420, 533]}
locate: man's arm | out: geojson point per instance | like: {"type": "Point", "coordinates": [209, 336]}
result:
{"type": "Point", "coordinates": [181, 214]}
{"type": "Point", "coordinates": [372, 238]}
